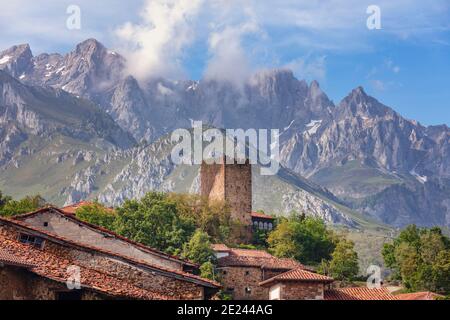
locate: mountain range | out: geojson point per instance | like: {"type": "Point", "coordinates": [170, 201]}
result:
{"type": "Point", "coordinates": [76, 126]}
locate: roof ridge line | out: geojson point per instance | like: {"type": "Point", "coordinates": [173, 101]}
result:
{"type": "Point", "coordinates": [109, 253]}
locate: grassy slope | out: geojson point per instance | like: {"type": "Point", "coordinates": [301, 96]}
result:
{"type": "Point", "coordinates": [355, 179]}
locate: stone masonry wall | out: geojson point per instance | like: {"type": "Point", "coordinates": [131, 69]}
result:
{"type": "Point", "coordinates": [20, 284]}
{"type": "Point", "coordinates": [166, 285]}
{"type": "Point", "coordinates": [238, 191]}
{"type": "Point", "coordinates": [231, 183]}
{"type": "Point", "coordinates": [212, 184]}
{"type": "Point", "coordinates": [240, 278]}
{"type": "Point", "coordinates": [71, 230]}
{"type": "Point", "coordinates": [302, 290]}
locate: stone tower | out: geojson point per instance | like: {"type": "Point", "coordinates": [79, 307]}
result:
{"type": "Point", "coordinates": [231, 183]}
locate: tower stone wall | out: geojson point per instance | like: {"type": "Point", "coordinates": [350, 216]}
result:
{"type": "Point", "coordinates": [231, 183]}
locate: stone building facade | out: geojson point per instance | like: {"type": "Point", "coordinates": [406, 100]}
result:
{"type": "Point", "coordinates": [297, 284]}
{"type": "Point", "coordinates": [241, 271]}
{"type": "Point", "coordinates": [45, 259]}
{"type": "Point", "coordinates": [17, 283]}
{"type": "Point", "coordinates": [63, 223]}
{"type": "Point", "coordinates": [231, 183]}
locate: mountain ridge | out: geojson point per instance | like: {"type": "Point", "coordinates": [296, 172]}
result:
{"type": "Point", "coordinates": [359, 149]}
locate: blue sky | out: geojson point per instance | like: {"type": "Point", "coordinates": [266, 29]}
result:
{"type": "Point", "coordinates": [405, 64]}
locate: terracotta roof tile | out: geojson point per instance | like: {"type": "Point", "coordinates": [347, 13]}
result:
{"type": "Point", "coordinates": [220, 247]}
{"type": "Point", "coordinates": [53, 267]}
{"type": "Point", "coordinates": [170, 272]}
{"type": "Point", "coordinates": [358, 293]}
{"type": "Point", "coordinates": [256, 258]}
{"type": "Point", "coordinates": [251, 253]}
{"type": "Point", "coordinates": [11, 259]}
{"type": "Point", "coordinates": [426, 295]}
{"type": "Point", "coordinates": [298, 274]}
{"type": "Point", "coordinates": [261, 216]}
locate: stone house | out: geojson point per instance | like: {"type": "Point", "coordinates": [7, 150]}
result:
{"type": "Point", "coordinates": [297, 284]}
{"type": "Point", "coordinates": [241, 271]}
{"type": "Point", "coordinates": [36, 264]}
{"type": "Point", "coordinates": [64, 223]}
{"type": "Point", "coordinates": [257, 275]}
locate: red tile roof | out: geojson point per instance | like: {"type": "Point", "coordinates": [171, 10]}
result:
{"type": "Point", "coordinates": [53, 267]}
{"type": "Point", "coordinates": [358, 293]}
{"type": "Point", "coordinates": [426, 295]}
{"type": "Point", "coordinates": [12, 260]}
{"type": "Point", "coordinates": [261, 216]}
{"type": "Point", "coordinates": [252, 253]}
{"type": "Point", "coordinates": [254, 258]}
{"type": "Point", "coordinates": [72, 216]}
{"type": "Point", "coordinates": [168, 272]}
{"type": "Point", "coordinates": [298, 275]}
{"type": "Point", "coordinates": [220, 247]}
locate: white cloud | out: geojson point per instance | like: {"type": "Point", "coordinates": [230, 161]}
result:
{"type": "Point", "coordinates": [229, 60]}
{"type": "Point", "coordinates": [156, 44]}
{"type": "Point", "coordinates": [157, 41]}
{"type": "Point", "coordinates": [310, 68]}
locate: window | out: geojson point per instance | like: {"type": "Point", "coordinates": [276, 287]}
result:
{"type": "Point", "coordinates": [247, 273]}
{"type": "Point", "coordinates": [224, 272]}
{"type": "Point", "coordinates": [45, 224]}
{"type": "Point", "coordinates": [248, 290]}
{"type": "Point", "coordinates": [32, 240]}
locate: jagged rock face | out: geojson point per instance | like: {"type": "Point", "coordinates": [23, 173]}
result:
{"type": "Point", "coordinates": [17, 60]}
{"type": "Point", "coordinates": [89, 71]}
{"type": "Point", "coordinates": [270, 99]}
{"type": "Point", "coordinates": [361, 128]}
{"type": "Point", "coordinates": [35, 111]}
{"type": "Point", "coordinates": [358, 139]}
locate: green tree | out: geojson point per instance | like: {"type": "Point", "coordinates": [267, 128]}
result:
{"type": "Point", "coordinates": [302, 238]}
{"type": "Point", "coordinates": [25, 205]}
{"type": "Point", "coordinates": [97, 214]}
{"type": "Point", "coordinates": [155, 221]}
{"type": "Point", "coordinates": [4, 199]}
{"type": "Point", "coordinates": [420, 258]}
{"type": "Point", "coordinates": [207, 271]}
{"type": "Point", "coordinates": [344, 262]}
{"type": "Point", "coordinates": [198, 249]}
{"type": "Point", "coordinates": [212, 217]}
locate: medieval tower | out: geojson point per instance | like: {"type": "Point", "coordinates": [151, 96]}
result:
{"type": "Point", "coordinates": [231, 183]}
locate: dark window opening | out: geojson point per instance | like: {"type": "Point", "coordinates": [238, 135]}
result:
{"type": "Point", "coordinates": [69, 295]}
{"type": "Point", "coordinates": [32, 240]}
{"type": "Point", "coordinates": [247, 273]}
{"type": "Point", "coordinates": [45, 224]}
{"type": "Point", "coordinates": [248, 290]}
{"type": "Point", "coordinates": [224, 272]}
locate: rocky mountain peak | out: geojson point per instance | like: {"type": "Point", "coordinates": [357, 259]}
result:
{"type": "Point", "coordinates": [20, 50]}
{"type": "Point", "coordinates": [90, 47]}
{"type": "Point", "coordinates": [16, 60]}
{"type": "Point", "coordinates": [359, 103]}
{"type": "Point", "coordinates": [274, 77]}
